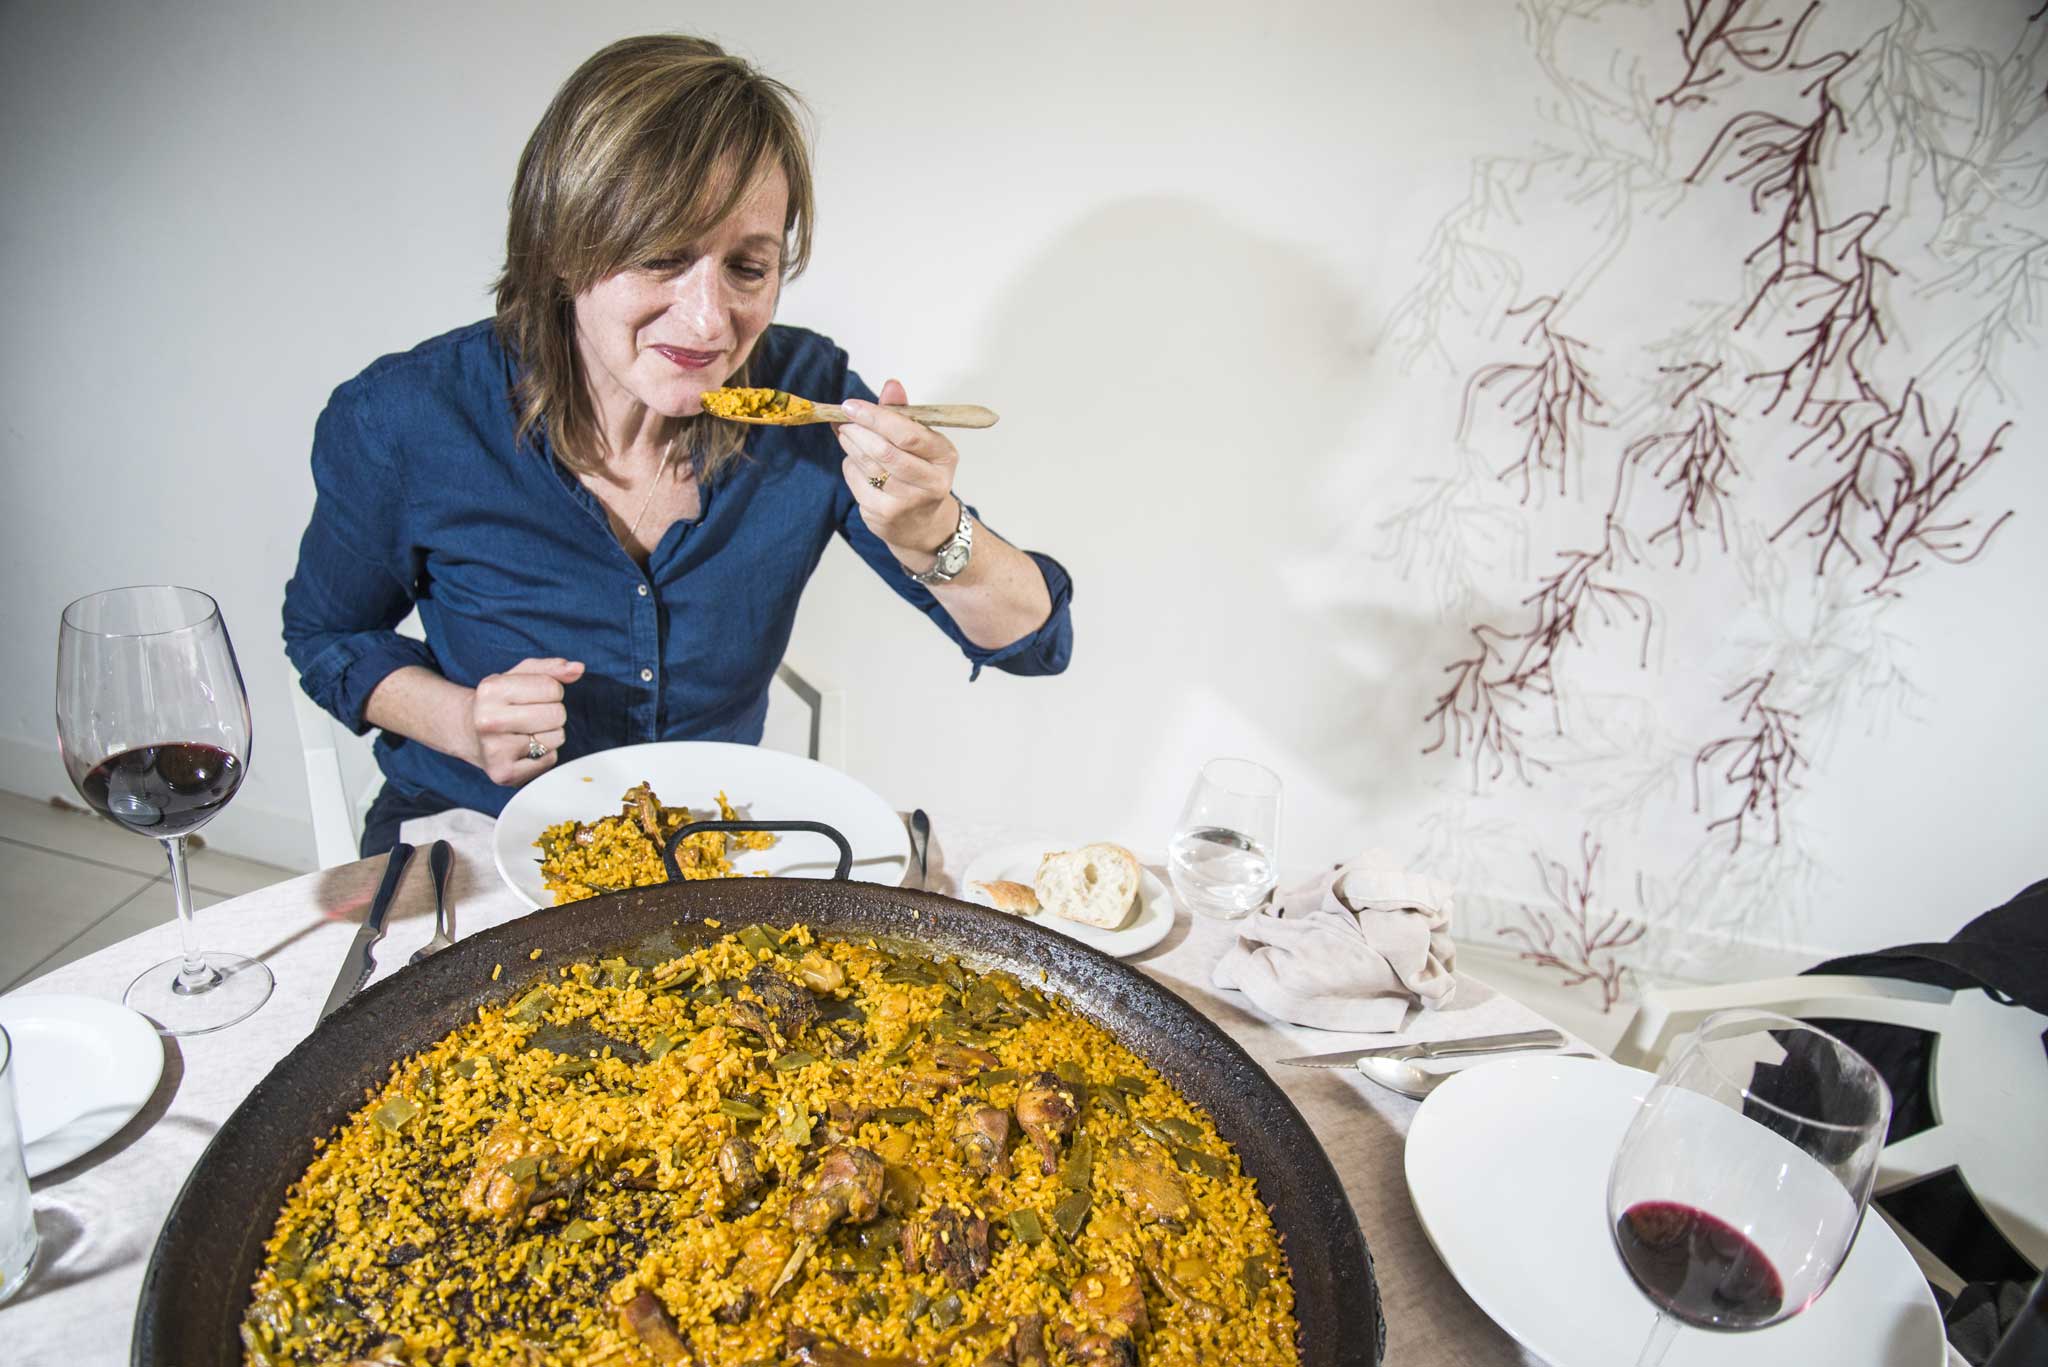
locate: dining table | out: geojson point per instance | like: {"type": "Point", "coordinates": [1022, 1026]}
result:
{"type": "Point", "coordinates": [99, 1215]}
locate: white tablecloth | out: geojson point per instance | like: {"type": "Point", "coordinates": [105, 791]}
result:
{"type": "Point", "coordinates": [99, 1215]}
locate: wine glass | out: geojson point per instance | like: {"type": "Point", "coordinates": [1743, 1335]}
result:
{"type": "Point", "coordinates": [1225, 852]}
{"type": "Point", "coordinates": [153, 723]}
{"type": "Point", "coordinates": [1742, 1181]}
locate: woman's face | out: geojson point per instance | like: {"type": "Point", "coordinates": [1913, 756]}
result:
{"type": "Point", "coordinates": [663, 332]}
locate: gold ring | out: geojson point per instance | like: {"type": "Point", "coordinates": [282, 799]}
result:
{"type": "Point", "coordinates": [877, 481]}
{"type": "Point", "coordinates": [534, 749]}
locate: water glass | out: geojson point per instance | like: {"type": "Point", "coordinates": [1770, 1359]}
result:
{"type": "Point", "coordinates": [17, 1221]}
{"type": "Point", "coordinates": [1225, 852]}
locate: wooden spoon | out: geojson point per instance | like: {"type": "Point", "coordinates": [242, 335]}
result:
{"type": "Point", "coordinates": [930, 414]}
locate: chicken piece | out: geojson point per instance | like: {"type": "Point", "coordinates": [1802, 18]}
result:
{"type": "Point", "coordinates": [1027, 1344]}
{"type": "Point", "coordinates": [648, 1320]}
{"type": "Point", "coordinates": [950, 1068]}
{"type": "Point", "coordinates": [810, 1350]}
{"type": "Point", "coordinates": [510, 1168]}
{"type": "Point", "coordinates": [1046, 1109]}
{"type": "Point", "coordinates": [846, 1187]}
{"type": "Point", "coordinates": [645, 809]}
{"type": "Point", "coordinates": [1096, 1349]}
{"type": "Point", "coordinates": [950, 1243]}
{"type": "Point", "coordinates": [762, 1256]}
{"type": "Point", "coordinates": [782, 1012]}
{"type": "Point", "coordinates": [1149, 1186]}
{"type": "Point", "coordinates": [819, 973]}
{"type": "Point", "coordinates": [981, 1138]}
{"type": "Point", "coordinates": [843, 1121]}
{"type": "Point", "coordinates": [739, 1173]}
{"type": "Point", "coordinates": [1101, 1294]}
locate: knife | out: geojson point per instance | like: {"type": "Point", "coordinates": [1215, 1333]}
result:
{"type": "Point", "coordinates": [360, 963]}
{"type": "Point", "coordinates": [1447, 1048]}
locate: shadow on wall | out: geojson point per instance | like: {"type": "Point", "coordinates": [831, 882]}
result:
{"type": "Point", "coordinates": [1204, 378]}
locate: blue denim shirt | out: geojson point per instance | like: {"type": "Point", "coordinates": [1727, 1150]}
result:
{"type": "Point", "coordinates": [425, 498]}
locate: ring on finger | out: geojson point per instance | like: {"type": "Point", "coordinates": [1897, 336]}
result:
{"type": "Point", "coordinates": [878, 481]}
{"type": "Point", "coordinates": [534, 749]}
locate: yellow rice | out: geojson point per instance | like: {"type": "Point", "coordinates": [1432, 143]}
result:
{"type": "Point", "coordinates": [582, 859]}
{"type": "Point", "coordinates": [372, 1246]}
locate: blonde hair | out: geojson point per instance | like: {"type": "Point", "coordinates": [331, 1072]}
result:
{"type": "Point", "coordinates": [650, 144]}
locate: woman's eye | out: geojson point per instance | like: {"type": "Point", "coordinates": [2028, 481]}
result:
{"type": "Point", "coordinates": [667, 265]}
{"type": "Point", "coordinates": [752, 270]}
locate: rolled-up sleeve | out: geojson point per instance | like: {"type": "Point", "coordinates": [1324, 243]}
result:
{"type": "Point", "coordinates": [357, 569]}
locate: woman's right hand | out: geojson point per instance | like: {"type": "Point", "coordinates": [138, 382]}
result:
{"type": "Point", "coordinates": [510, 711]}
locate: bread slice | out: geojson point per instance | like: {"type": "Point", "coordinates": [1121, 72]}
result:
{"type": "Point", "coordinates": [1096, 885]}
{"type": "Point", "coordinates": [1016, 898]}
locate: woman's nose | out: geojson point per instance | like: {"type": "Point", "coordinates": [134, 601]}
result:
{"type": "Point", "coordinates": [700, 297]}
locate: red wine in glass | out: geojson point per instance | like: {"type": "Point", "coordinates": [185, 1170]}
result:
{"type": "Point", "coordinates": [1698, 1268]}
{"type": "Point", "coordinates": [153, 722]}
{"type": "Point", "coordinates": [163, 790]}
{"type": "Point", "coordinates": [1742, 1181]}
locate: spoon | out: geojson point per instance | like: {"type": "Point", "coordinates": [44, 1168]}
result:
{"type": "Point", "coordinates": [805, 412]}
{"type": "Point", "coordinates": [438, 859]}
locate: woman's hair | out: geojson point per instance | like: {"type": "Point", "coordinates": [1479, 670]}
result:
{"type": "Point", "coordinates": [648, 146]}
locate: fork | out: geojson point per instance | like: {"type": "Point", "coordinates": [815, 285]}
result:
{"type": "Point", "coordinates": [439, 859]}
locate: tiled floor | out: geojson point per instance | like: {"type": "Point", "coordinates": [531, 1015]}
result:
{"type": "Point", "coordinates": [71, 883]}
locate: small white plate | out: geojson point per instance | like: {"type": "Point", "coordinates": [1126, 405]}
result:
{"type": "Point", "coordinates": [1507, 1164]}
{"type": "Point", "coordinates": [766, 785]}
{"type": "Point", "coordinates": [82, 1068]}
{"type": "Point", "coordinates": [1145, 927]}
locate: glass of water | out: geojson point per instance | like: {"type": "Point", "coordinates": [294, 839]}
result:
{"type": "Point", "coordinates": [1225, 851]}
{"type": "Point", "coordinates": [17, 1221]}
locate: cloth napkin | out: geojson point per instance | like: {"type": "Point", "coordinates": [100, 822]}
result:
{"type": "Point", "coordinates": [1352, 950]}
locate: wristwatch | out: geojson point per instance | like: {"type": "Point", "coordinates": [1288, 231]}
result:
{"type": "Point", "coordinates": [952, 556]}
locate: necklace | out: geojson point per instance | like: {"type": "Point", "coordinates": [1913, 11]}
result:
{"type": "Point", "coordinates": [653, 486]}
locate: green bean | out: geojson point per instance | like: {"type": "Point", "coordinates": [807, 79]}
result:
{"type": "Point", "coordinates": [793, 1060]}
{"type": "Point", "coordinates": [946, 1313]}
{"type": "Point", "coordinates": [901, 1115]}
{"type": "Point", "coordinates": [735, 1109]}
{"type": "Point", "coordinates": [1072, 1212]}
{"type": "Point", "coordinates": [1025, 1226]}
{"type": "Point", "coordinates": [393, 1114]}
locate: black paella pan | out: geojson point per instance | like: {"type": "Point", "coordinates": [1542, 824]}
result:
{"type": "Point", "coordinates": [197, 1286]}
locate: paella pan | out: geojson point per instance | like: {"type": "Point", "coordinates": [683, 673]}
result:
{"type": "Point", "coordinates": [197, 1293]}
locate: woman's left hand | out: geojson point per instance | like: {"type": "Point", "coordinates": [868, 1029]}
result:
{"type": "Point", "coordinates": [901, 474]}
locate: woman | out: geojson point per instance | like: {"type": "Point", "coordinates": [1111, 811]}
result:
{"type": "Point", "coordinates": [595, 561]}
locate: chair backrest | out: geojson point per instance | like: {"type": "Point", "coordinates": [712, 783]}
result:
{"type": "Point", "coordinates": [342, 777]}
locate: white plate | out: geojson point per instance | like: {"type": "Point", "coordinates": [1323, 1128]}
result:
{"type": "Point", "coordinates": [1146, 926]}
{"type": "Point", "coordinates": [82, 1069]}
{"type": "Point", "coordinates": [766, 785]}
{"type": "Point", "coordinates": [1521, 1222]}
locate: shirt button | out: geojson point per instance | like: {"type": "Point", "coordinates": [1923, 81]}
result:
{"type": "Point", "coordinates": [643, 590]}
{"type": "Point", "coordinates": [646, 676]}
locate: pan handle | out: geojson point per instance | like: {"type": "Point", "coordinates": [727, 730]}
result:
{"type": "Point", "coordinates": [675, 874]}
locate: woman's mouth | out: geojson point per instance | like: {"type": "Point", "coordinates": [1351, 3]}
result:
{"type": "Point", "coordinates": [686, 359]}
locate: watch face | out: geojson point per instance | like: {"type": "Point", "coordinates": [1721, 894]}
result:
{"type": "Point", "coordinates": [952, 559]}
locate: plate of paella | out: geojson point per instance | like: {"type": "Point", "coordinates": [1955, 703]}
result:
{"type": "Point", "coordinates": [598, 824]}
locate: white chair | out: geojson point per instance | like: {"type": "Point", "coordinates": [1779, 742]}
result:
{"type": "Point", "coordinates": [1988, 1083]}
{"type": "Point", "coordinates": [342, 778]}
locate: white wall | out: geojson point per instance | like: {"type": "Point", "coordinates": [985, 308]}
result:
{"type": "Point", "coordinates": [1122, 230]}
